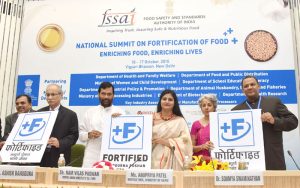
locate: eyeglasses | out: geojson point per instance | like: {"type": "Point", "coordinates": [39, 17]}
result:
{"type": "Point", "coordinates": [52, 94]}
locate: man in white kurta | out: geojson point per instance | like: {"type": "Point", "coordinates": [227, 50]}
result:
{"type": "Point", "coordinates": [94, 122]}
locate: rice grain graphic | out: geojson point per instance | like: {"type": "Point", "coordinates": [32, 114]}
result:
{"type": "Point", "coordinates": [261, 45]}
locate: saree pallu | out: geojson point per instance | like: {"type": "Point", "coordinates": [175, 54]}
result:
{"type": "Point", "coordinates": [177, 133]}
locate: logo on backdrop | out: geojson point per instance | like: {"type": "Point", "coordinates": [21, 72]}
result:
{"type": "Point", "coordinates": [117, 19]}
{"type": "Point", "coordinates": [235, 130]}
{"type": "Point", "coordinates": [125, 134]}
{"type": "Point", "coordinates": [28, 84]}
{"type": "Point", "coordinates": [32, 128]}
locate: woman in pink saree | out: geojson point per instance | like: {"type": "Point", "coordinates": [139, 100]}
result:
{"type": "Point", "coordinates": [200, 132]}
{"type": "Point", "coordinates": [171, 140]}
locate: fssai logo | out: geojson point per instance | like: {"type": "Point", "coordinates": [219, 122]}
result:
{"type": "Point", "coordinates": [117, 19]}
{"type": "Point", "coordinates": [235, 129]}
{"type": "Point", "coordinates": [126, 132]}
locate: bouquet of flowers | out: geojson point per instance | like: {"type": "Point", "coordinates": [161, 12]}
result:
{"type": "Point", "coordinates": [202, 163]}
{"type": "Point", "coordinates": [105, 165]}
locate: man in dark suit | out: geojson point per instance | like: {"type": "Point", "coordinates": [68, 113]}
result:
{"type": "Point", "coordinates": [65, 130]}
{"type": "Point", "coordinates": [23, 105]}
{"type": "Point", "coordinates": [275, 118]}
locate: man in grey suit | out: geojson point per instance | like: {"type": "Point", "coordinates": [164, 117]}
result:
{"type": "Point", "coordinates": [23, 105]}
{"type": "Point", "coordinates": [275, 118]}
{"type": "Point", "coordinates": [65, 130]}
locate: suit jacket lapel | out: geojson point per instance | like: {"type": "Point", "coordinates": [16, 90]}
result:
{"type": "Point", "coordinates": [14, 118]}
{"type": "Point", "coordinates": [60, 114]}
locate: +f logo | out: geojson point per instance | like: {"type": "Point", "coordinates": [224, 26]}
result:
{"type": "Point", "coordinates": [127, 129]}
{"type": "Point", "coordinates": [33, 124]}
{"type": "Point", "coordinates": [237, 126]}
{"type": "Point", "coordinates": [33, 127]}
{"type": "Point", "coordinates": [125, 134]}
{"type": "Point", "coordinates": [234, 126]}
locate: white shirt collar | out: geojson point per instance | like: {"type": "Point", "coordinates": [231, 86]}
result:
{"type": "Point", "coordinates": [107, 108]}
{"type": "Point", "coordinates": [55, 109]}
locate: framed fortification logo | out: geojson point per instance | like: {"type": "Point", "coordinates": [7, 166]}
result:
{"type": "Point", "coordinates": [28, 139]}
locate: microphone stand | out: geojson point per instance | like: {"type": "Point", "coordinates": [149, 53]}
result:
{"type": "Point", "coordinates": [212, 162]}
{"type": "Point", "coordinates": [172, 153]}
{"type": "Point", "coordinates": [290, 154]}
{"type": "Point", "coordinates": [131, 165]}
{"type": "Point", "coordinates": [75, 160]}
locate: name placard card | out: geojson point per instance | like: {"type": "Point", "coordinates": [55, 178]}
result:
{"type": "Point", "coordinates": [17, 172]}
{"type": "Point", "coordinates": [156, 177]}
{"type": "Point", "coordinates": [71, 174]}
{"type": "Point", "coordinates": [238, 177]}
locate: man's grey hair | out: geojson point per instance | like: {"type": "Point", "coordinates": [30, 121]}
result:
{"type": "Point", "coordinates": [58, 87]}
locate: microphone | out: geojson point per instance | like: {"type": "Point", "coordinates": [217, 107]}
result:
{"type": "Point", "coordinates": [172, 153]}
{"type": "Point", "coordinates": [290, 154]}
{"type": "Point", "coordinates": [75, 160]}
{"type": "Point", "coordinates": [131, 165]}
{"type": "Point", "coordinates": [137, 160]}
